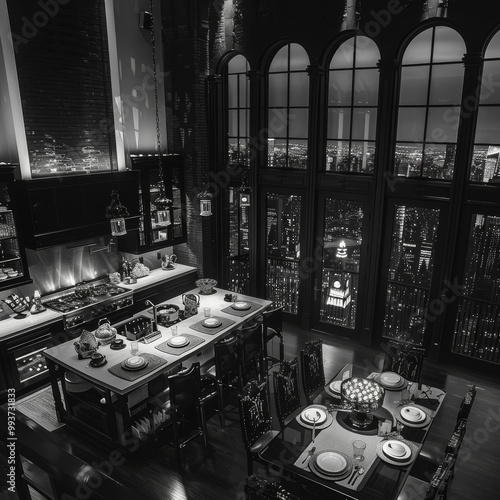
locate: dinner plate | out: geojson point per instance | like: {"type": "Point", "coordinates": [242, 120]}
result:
{"type": "Point", "coordinates": [211, 322]}
{"type": "Point", "coordinates": [335, 386]}
{"type": "Point", "coordinates": [178, 341]}
{"type": "Point", "coordinates": [330, 462]}
{"type": "Point", "coordinates": [396, 450]}
{"type": "Point", "coordinates": [134, 364]}
{"type": "Point", "coordinates": [241, 306]}
{"type": "Point", "coordinates": [412, 414]}
{"type": "Point", "coordinates": [310, 414]}
{"type": "Point", "coordinates": [390, 379]}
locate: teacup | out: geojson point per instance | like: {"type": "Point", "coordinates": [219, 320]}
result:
{"type": "Point", "coordinates": [97, 358]}
{"type": "Point", "coordinates": [117, 343]}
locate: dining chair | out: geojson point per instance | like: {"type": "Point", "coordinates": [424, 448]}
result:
{"type": "Point", "coordinates": [225, 372]}
{"type": "Point", "coordinates": [432, 453]}
{"type": "Point", "coordinates": [405, 359]}
{"type": "Point", "coordinates": [255, 420]}
{"type": "Point", "coordinates": [416, 488]}
{"type": "Point", "coordinates": [272, 323]}
{"type": "Point", "coordinates": [286, 390]}
{"type": "Point", "coordinates": [251, 353]}
{"type": "Point", "coordinates": [187, 414]}
{"type": "Point", "coordinates": [312, 369]}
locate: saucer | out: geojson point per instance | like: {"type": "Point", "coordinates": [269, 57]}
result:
{"type": "Point", "coordinates": [117, 347]}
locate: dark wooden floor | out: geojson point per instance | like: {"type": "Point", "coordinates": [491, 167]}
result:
{"type": "Point", "coordinates": [220, 472]}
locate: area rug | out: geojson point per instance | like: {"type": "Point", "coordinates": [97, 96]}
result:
{"type": "Point", "coordinates": [40, 408]}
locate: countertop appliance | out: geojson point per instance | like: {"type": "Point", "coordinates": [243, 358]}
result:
{"type": "Point", "coordinates": [83, 305]}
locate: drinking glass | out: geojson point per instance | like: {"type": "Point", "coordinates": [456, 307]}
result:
{"type": "Point", "coordinates": [174, 330]}
{"type": "Point", "coordinates": [358, 448]}
{"type": "Point", "coordinates": [206, 312]}
{"type": "Point", "coordinates": [134, 347]}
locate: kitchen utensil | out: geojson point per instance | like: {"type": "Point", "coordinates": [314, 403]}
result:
{"type": "Point", "coordinates": [309, 455]}
{"type": "Point", "coordinates": [361, 471]}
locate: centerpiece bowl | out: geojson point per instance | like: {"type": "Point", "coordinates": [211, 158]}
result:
{"type": "Point", "coordinates": [362, 396]}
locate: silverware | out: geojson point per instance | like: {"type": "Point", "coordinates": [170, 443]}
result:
{"type": "Point", "coordinates": [309, 455]}
{"type": "Point", "coordinates": [360, 471]}
{"type": "Point", "coordinates": [318, 416]}
{"type": "Point", "coordinates": [354, 472]}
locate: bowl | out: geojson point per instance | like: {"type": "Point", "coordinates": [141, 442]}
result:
{"type": "Point", "coordinates": [206, 285]}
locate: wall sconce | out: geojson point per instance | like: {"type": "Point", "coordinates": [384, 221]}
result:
{"type": "Point", "coordinates": [205, 199]}
{"type": "Point", "coordinates": [116, 212]}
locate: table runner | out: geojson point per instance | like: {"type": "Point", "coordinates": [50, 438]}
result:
{"type": "Point", "coordinates": [130, 375]}
{"type": "Point", "coordinates": [241, 312]}
{"type": "Point", "coordinates": [336, 438]}
{"type": "Point", "coordinates": [225, 322]}
{"type": "Point", "coordinates": [193, 342]}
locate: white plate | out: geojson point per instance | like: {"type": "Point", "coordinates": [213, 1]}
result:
{"type": "Point", "coordinates": [310, 414]}
{"type": "Point", "coordinates": [390, 379]}
{"type": "Point", "coordinates": [335, 386]}
{"type": "Point", "coordinates": [412, 414]}
{"type": "Point", "coordinates": [396, 450]}
{"type": "Point", "coordinates": [211, 322]}
{"type": "Point", "coordinates": [241, 306]}
{"type": "Point", "coordinates": [178, 341]}
{"type": "Point", "coordinates": [135, 361]}
{"type": "Point", "coordinates": [331, 462]}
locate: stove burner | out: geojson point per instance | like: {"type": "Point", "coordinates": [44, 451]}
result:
{"type": "Point", "coordinates": [82, 297]}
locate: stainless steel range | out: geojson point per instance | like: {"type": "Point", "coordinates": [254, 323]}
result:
{"type": "Point", "coordinates": [86, 303]}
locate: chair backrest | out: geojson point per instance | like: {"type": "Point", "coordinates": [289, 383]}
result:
{"type": "Point", "coordinates": [466, 405]}
{"type": "Point", "coordinates": [251, 347]}
{"type": "Point", "coordinates": [405, 359]}
{"type": "Point", "coordinates": [185, 389]}
{"type": "Point", "coordinates": [286, 390]}
{"type": "Point", "coordinates": [255, 414]}
{"type": "Point", "coordinates": [273, 323]}
{"type": "Point", "coordinates": [439, 482]}
{"type": "Point", "coordinates": [455, 442]}
{"type": "Point", "coordinates": [258, 488]}
{"type": "Point", "coordinates": [311, 364]}
{"type": "Point", "coordinates": [227, 359]}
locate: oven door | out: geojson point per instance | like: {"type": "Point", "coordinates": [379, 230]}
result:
{"type": "Point", "coordinates": [26, 364]}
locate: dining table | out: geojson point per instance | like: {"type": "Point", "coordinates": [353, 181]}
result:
{"type": "Point", "coordinates": [316, 448]}
{"type": "Point", "coordinates": [120, 398]}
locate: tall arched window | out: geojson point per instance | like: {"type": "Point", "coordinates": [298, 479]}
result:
{"type": "Point", "coordinates": [288, 108]}
{"type": "Point", "coordinates": [238, 110]}
{"type": "Point", "coordinates": [485, 160]}
{"type": "Point", "coordinates": [429, 104]}
{"type": "Point", "coordinates": [352, 107]}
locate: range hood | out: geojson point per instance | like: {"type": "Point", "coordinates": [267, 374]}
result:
{"type": "Point", "coordinates": [60, 210]}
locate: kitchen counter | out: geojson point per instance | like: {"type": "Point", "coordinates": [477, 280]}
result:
{"type": "Point", "coordinates": [159, 275]}
{"type": "Point", "coordinates": [11, 326]}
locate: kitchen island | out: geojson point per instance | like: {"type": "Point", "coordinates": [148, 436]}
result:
{"type": "Point", "coordinates": [119, 400]}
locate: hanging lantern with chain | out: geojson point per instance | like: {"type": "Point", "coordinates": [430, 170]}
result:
{"type": "Point", "coordinates": [162, 203]}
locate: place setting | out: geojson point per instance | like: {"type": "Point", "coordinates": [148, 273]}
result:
{"type": "Point", "coordinates": [397, 451]}
{"type": "Point", "coordinates": [315, 417]}
{"type": "Point", "coordinates": [333, 388]}
{"type": "Point", "coordinates": [240, 308]}
{"type": "Point", "coordinates": [412, 415]}
{"type": "Point", "coordinates": [136, 365]}
{"type": "Point", "coordinates": [331, 464]}
{"type": "Point", "coordinates": [391, 381]}
{"type": "Point", "coordinates": [179, 343]}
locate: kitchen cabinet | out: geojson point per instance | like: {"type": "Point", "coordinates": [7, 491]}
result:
{"type": "Point", "coordinates": [60, 210]}
{"type": "Point", "coordinates": [158, 228]}
{"type": "Point", "coordinates": [13, 265]}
